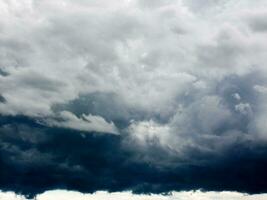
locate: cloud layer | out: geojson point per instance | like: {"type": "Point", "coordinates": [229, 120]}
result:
{"type": "Point", "coordinates": [198, 195]}
{"type": "Point", "coordinates": [36, 158]}
{"type": "Point", "coordinates": [140, 95]}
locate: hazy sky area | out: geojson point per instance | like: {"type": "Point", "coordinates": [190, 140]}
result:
{"type": "Point", "coordinates": [119, 99]}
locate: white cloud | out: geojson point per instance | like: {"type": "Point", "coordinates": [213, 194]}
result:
{"type": "Point", "coordinates": [147, 131]}
{"type": "Point", "coordinates": [244, 108]}
{"type": "Point", "coordinates": [69, 195]}
{"type": "Point", "coordinates": [84, 123]}
{"type": "Point", "coordinates": [117, 52]}
{"type": "Point", "coordinates": [151, 59]}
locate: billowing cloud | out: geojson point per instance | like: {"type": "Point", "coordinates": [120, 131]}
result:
{"type": "Point", "coordinates": [140, 95]}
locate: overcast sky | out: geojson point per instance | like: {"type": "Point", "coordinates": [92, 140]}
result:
{"type": "Point", "coordinates": [147, 96]}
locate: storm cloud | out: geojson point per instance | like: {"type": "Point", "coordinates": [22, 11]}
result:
{"type": "Point", "coordinates": [35, 158]}
{"type": "Point", "coordinates": [135, 95]}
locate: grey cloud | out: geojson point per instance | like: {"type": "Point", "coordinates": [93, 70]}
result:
{"type": "Point", "coordinates": [154, 4]}
{"type": "Point", "coordinates": [3, 73]}
{"type": "Point", "coordinates": [256, 20]}
{"type": "Point", "coordinates": [205, 6]}
{"type": "Point", "coordinates": [2, 99]}
{"type": "Point", "coordinates": [129, 65]}
{"type": "Point", "coordinates": [228, 50]}
{"type": "Point", "coordinates": [182, 83]}
{"type": "Point", "coordinates": [39, 82]}
{"type": "Point", "coordinates": [209, 121]}
{"type": "Point", "coordinates": [108, 105]}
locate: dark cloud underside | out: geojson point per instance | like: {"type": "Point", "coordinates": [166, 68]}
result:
{"type": "Point", "coordinates": [35, 158]}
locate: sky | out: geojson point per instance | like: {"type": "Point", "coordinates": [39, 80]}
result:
{"type": "Point", "coordinates": [133, 97]}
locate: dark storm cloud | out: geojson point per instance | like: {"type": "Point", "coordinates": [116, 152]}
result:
{"type": "Point", "coordinates": [108, 105]}
{"type": "Point", "coordinates": [187, 111]}
{"type": "Point", "coordinates": [2, 99]}
{"type": "Point", "coordinates": [35, 158]}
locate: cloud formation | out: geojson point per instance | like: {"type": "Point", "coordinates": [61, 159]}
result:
{"type": "Point", "coordinates": [101, 195]}
{"type": "Point", "coordinates": [43, 158]}
{"type": "Point", "coordinates": [140, 95]}
{"type": "Point", "coordinates": [85, 123]}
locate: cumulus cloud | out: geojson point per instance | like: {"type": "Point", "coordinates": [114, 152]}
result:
{"type": "Point", "coordinates": [122, 51]}
{"type": "Point", "coordinates": [180, 84]}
